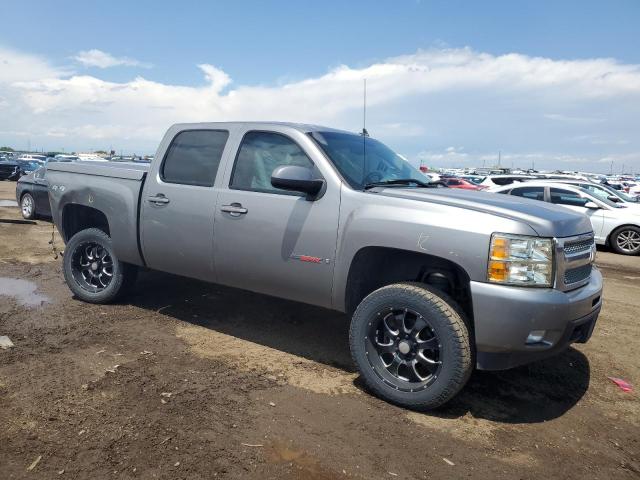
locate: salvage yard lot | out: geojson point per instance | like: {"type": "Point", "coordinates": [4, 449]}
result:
{"type": "Point", "coordinates": [183, 379]}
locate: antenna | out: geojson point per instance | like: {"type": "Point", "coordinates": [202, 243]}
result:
{"type": "Point", "coordinates": [364, 111]}
{"type": "Point", "coordinates": [364, 132]}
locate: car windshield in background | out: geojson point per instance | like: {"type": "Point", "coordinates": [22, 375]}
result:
{"type": "Point", "coordinates": [29, 164]}
{"type": "Point", "coordinates": [362, 160]}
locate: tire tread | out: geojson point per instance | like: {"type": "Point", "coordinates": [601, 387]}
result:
{"type": "Point", "coordinates": [448, 308]}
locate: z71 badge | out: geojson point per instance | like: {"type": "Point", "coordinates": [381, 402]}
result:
{"type": "Point", "coordinates": [310, 259]}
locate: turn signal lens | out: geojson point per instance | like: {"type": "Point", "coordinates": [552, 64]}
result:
{"type": "Point", "coordinates": [498, 271]}
{"type": "Point", "coordinates": [520, 260]}
{"type": "Point", "coordinates": [500, 248]}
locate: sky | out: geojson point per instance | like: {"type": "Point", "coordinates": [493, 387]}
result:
{"type": "Point", "coordinates": [545, 84]}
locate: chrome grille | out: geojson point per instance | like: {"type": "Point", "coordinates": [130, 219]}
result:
{"type": "Point", "coordinates": [578, 274]}
{"type": "Point", "coordinates": [578, 247]}
{"type": "Point", "coordinates": [574, 260]}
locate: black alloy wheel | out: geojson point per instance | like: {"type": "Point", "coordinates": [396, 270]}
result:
{"type": "Point", "coordinates": [403, 349]}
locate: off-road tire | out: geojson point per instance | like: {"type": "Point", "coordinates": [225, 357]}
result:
{"type": "Point", "coordinates": [447, 321]}
{"type": "Point", "coordinates": [123, 274]}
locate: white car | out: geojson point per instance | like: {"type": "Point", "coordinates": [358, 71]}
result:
{"type": "Point", "coordinates": [634, 191]}
{"type": "Point", "coordinates": [491, 181]}
{"type": "Point", "coordinates": [601, 191]}
{"type": "Point", "coordinates": [614, 224]}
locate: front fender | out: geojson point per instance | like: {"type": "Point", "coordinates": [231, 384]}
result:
{"type": "Point", "coordinates": [455, 234]}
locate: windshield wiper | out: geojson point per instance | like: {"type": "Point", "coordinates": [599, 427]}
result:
{"type": "Point", "coordinates": [401, 182]}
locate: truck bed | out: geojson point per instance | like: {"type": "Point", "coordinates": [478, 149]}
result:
{"type": "Point", "coordinates": [113, 189]}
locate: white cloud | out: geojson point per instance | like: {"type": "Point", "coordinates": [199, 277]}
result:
{"type": "Point", "coordinates": [100, 59]}
{"type": "Point", "coordinates": [420, 104]}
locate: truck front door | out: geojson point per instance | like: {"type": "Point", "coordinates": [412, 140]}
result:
{"type": "Point", "coordinates": [178, 204]}
{"type": "Point", "coordinates": [269, 240]}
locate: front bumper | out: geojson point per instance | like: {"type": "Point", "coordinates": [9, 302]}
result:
{"type": "Point", "coordinates": [505, 316]}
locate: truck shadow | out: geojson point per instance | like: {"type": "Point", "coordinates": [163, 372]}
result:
{"type": "Point", "coordinates": [533, 393]}
{"type": "Point", "coordinates": [529, 394]}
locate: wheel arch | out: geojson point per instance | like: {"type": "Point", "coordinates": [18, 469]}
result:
{"type": "Point", "coordinates": [76, 217]}
{"type": "Point", "coordinates": [374, 267]}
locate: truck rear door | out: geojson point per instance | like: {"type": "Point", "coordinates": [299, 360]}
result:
{"type": "Point", "coordinates": [178, 204]}
{"type": "Point", "coordinates": [274, 241]}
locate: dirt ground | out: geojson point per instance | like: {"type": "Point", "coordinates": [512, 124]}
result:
{"type": "Point", "coordinates": [186, 380]}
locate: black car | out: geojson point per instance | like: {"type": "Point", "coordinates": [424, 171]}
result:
{"type": "Point", "coordinates": [28, 166]}
{"type": "Point", "coordinates": [32, 194]}
{"type": "Point", "coordinates": [10, 170]}
{"type": "Point", "coordinates": [14, 169]}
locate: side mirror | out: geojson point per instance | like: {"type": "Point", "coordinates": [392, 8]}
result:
{"type": "Point", "coordinates": [591, 206]}
{"type": "Point", "coordinates": [613, 198]}
{"type": "Point", "coordinates": [296, 179]}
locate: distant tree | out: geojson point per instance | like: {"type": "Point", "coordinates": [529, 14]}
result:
{"type": "Point", "coordinates": [7, 149]}
{"type": "Point", "coordinates": [100, 152]}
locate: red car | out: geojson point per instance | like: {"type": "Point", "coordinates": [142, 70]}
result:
{"type": "Point", "coordinates": [460, 183]}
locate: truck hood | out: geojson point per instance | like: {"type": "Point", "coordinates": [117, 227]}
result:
{"type": "Point", "coordinates": [546, 219]}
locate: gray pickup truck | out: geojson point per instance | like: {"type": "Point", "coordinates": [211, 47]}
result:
{"type": "Point", "coordinates": [436, 281]}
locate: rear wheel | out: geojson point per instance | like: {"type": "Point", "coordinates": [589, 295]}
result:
{"type": "Point", "coordinates": [626, 240]}
{"type": "Point", "coordinates": [92, 270]}
{"type": "Point", "coordinates": [28, 206]}
{"type": "Point", "coordinates": [411, 345]}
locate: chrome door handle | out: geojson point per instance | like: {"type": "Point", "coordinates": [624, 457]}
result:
{"type": "Point", "coordinates": [159, 199]}
{"type": "Point", "coordinates": [235, 209]}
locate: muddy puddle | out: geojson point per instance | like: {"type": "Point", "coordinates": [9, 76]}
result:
{"type": "Point", "coordinates": [24, 292]}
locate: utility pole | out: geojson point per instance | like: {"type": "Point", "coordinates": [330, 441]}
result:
{"type": "Point", "coordinates": [611, 169]}
{"type": "Point", "coordinates": [499, 158]}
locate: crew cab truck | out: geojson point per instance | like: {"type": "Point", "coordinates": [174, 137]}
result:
{"type": "Point", "coordinates": [436, 281]}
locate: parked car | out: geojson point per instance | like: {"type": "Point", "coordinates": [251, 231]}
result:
{"type": "Point", "coordinates": [64, 158]}
{"type": "Point", "coordinates": [32, 157]}
{"type": "Point", "coordinates": [475, 179]}
{"type": "Point", "coordinates": [460, 183]}
{"type": "Point", "coordinates": [10, 170]}
{"type": "Point", "coordinates": [15, 168]}
{"type": "Point", "coordinates": [435, 280]}
{"type": "Point", "coordinates": [32, 194]}
{"type": "Point", "coordinates": [602, 191]}
{"type": "Point", "coordinates": [634, 191]}
{"type": "Point", "coordinates": [28, 166]}
{"type": "Point", "coordinates": [614, 224]}
{"type": "Point", "coordinates": [491, 181]}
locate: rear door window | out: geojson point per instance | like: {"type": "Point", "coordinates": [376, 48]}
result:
{"type": "Point", "coordinates": [193, 157]}
{"type": "Point", "coordinates": [534, 193]}
{"type": "Point", "coordinates": [567, 197]}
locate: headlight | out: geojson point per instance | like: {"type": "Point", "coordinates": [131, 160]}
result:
{"type": "Point", "coordinates": [520, 260]}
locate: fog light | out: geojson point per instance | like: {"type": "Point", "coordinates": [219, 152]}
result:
{"type": "Point", "coordinates": [536, 336]}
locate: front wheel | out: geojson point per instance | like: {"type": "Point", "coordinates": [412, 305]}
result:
{"type": "Point", "coordinates": [92, 270]}
{"type": "Point", "coordinates": [28, 206]}
{"type": "Point", "coordinates": [626, 240]}
{"type": "Point", "coordinates": [411, 345]}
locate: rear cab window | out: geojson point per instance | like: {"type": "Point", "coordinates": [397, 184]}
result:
{"type": "Point", "coordinates": [193, 157]}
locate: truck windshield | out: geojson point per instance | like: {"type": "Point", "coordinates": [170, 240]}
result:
{"type": "Point", "coordinates": [363, 161]}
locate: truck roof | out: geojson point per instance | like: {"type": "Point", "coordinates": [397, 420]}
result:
{"type": "Point", "coordinates": [303, 127]}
